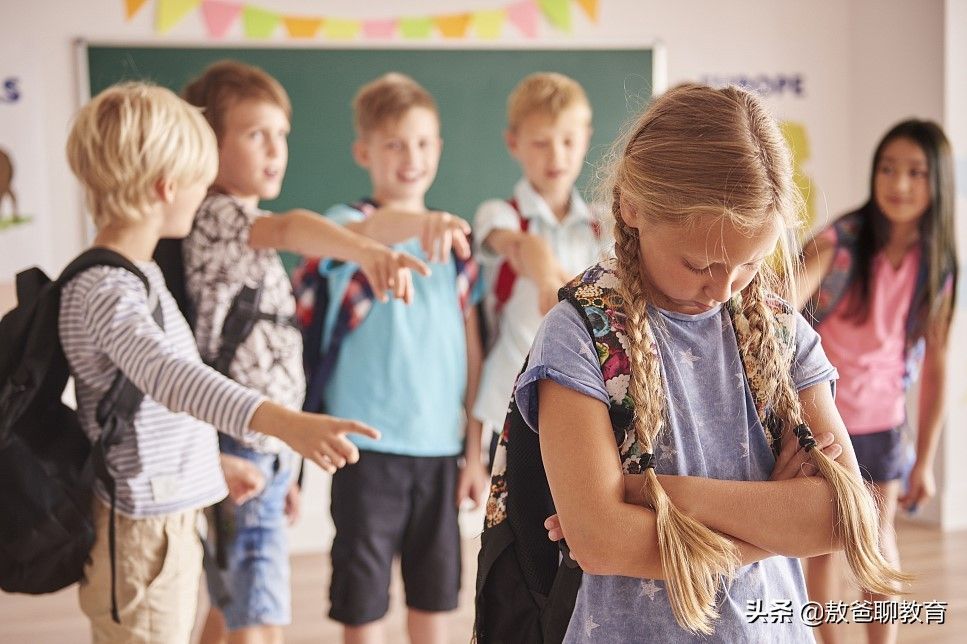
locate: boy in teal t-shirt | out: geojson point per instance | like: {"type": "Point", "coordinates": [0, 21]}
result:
{"type": "Point", "coordinates": [409, 370]}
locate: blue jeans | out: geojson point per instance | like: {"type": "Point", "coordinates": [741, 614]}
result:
{"type": "Point", "coordinates": [258, 553]}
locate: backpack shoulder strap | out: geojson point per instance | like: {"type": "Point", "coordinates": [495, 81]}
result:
{"type": "Point", "coordinates": [838, 278]}
{"type": "Point", "coordinates": [506, 275]}
{"type": "Point", "coordinates": [99, 256]}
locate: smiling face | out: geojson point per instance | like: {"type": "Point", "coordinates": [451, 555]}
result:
{"type": "Point", "coordinates": [551, 149]}
{"type": "Point", "coordinates": [901, 181]}
{"type": "Point", "coordinates": [253, 150]}
{"type": "Point", "coordinates": [402, 157]}
{"type": "Point", "coordinates": [690, 269]}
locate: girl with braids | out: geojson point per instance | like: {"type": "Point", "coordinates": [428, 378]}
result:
{"type": "Point", "coordinates": [882, 285]}
{"type": "Point", "coordinates": [731, 459]}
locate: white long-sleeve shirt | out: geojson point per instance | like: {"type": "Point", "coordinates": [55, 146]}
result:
{"type": "Point", "coordinates": [169, 462]}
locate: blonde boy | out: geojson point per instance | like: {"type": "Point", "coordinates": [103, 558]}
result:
{"type": "Point", "coordinates": [145, 158]}
{"type": "Point", "coordinates": [233, 245]}
{"type": "Point", "coordinates": [533, 243]}
{"type": "Point", "coordinates": [411, 371]}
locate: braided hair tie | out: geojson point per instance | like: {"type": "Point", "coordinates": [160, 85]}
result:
{"type": "Point", "coordinates": [805, 436]}
{"type": "Point", "coordinates": [646, 461]}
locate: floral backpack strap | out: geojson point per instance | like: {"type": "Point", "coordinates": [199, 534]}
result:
{"type": "Point", "coordinates": [595, 295]}
{"type": "Point", "coordinates": [838, 278]}
{"type": "Point", "coordinates": [782, 321]}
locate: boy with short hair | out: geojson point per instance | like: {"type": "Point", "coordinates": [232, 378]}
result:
{"type": "Point", "coordinates": [411, 371]}
{"type": "Point", "coordinates": [145, 159]}
{"type": "Point", "coordinates": [232, 247]}
{"type": "Point", "coordinates": [533, 243]}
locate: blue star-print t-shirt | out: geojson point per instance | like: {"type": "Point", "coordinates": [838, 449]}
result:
{"type": "Point", "coordinates": [713, 431]}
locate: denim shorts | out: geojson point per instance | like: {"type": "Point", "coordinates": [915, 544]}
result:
{"type": "Point", "coordinates": [257, 577]}
{"type": "Point", "coordinates": [882, 456]}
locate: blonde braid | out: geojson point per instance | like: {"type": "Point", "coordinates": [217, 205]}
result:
{"type": "Point", "coordinates": [856, 522]}
{"type": "Point", "coordinates": [695, 559]}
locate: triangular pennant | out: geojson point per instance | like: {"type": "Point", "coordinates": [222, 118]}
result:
{"type": "Point", "coordinates": [302, 27]}
{"type": "Point", "coordinates": [416, 28]}
{"type": "Point", "coordinates": [558, 13]}
{"type": "Point", "coordinates": [524, 15]}
{"type": "Point", "coordinates": [379, 28]}
{"type": "Point", "coordinates": [171, 12]}
{"type": "Point", "coordinates": [488, 24]}
{"type": "Point", "coordinates": [339, 29]}
{"type": "Point", "coordinates": [590, 8]}
{"type": "Point", "coordinates": [132, 7]}
{"type": "Point", "coordinates": [219, 16]}
{"type": "Point", "coordinates": [453, 26]}
{"type": "Point", "coordinates": [258, 23]}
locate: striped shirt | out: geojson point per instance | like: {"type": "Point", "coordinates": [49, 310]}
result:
{"type": "Point", "coordinates": [169, 462]}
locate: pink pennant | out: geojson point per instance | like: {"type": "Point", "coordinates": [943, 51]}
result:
{"type": "Point", "coordinates": [379, 28]}
{"type": "Point", "coordinates": [525, 15]}
{"type": "Point", "coordinates": [219, 16]}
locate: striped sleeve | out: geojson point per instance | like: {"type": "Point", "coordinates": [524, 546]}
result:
{"type": "Point", "coordinates": [116, 313]}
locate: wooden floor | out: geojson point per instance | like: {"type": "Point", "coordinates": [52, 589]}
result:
{"type": "Point", "coordinates": [939, 561]}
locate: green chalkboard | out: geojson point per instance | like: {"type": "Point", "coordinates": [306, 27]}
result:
{"type": "Point", "coordinates": [470, 86]}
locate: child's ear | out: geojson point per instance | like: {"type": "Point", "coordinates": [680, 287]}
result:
{"type": "Point", "coordinates": [510, 139]}
{"type": "Point", "coordinates": [164, 189]}
{"type": "Point", "coordinates": [629, 213]}
{"type": "Point", "coordinates": [361, 153]}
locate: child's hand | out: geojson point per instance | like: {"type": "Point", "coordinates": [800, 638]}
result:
{"type": "Point", "coordinates": [389, 270]}
{"type": "Point", "coordinates": [322, 439]}
{"type": "Point", "coordinates": [794, 461]}
{"type": "Point", "coordinates": [443, 232]}
{"type": "Point", "coordinates": [922, 487]}
{"type": "Point", "coordinates": [553, 526]}
{"type": "Point", "coordinates": [243, 477]}
{"type": "Point", "coordinates": [293, 503]}
{"type": "Point", "coordinates": [472, 483]}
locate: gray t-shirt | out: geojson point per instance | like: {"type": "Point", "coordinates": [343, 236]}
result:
{"type": "Point", "coordinates": [713, 431]}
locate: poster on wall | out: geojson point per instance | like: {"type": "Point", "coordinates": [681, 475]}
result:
{"type": "Point", "coordinates": [24, 237]}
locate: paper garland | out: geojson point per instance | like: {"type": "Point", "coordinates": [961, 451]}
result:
{"type": "Point", "coordinates": [218, 17]}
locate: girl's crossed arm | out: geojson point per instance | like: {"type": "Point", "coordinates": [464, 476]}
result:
{"type": "Point", "coordinates": [606, 534]}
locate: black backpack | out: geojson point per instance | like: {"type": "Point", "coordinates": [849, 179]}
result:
{"type": "Point", "coordinates": [47, 463]}
{"type": "Point", "coordinates": [526, 584]}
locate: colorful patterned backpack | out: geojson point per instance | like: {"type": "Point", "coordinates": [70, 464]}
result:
{"type": "Point", "coordinates": [525, 589]}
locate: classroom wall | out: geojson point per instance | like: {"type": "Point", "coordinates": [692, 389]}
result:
{"type": "Point", "coordinates": [838, 72]}
{"type": "Point", "coordinates": [952, 509]}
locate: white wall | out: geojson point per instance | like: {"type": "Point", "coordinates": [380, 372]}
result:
{"type": "Point", "coordinates": [864, 65]}
{"type": "Point", "coordinates": [953, 500]}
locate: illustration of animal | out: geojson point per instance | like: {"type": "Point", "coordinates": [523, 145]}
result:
{"type": "Point", "coordinates": [6, 188]}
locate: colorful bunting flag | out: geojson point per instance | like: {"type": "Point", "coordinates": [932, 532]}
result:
{"type": "Point", "coordinates": [558, 13]}
{"type": "Point", "coordinates": [258, 23]}
{"type": "Point", "coordinates": [261, 23]}
{"type": "Point", "coordinates": [219, 16]}
{"type": "Point", "coordinates": [590, 8]}
{"type": "Point", "coordinates": [379, 29]}
{"type": "Point", "coordinates": [132, 7]}
{"type": "Point", "coordinates": [338, 29]}
{"type": "Point", "coordinates": [488, 24]}
{"type": "Point", "coordinates": [302, 27]}
{"type": "Point", "coordinates": [171, 12]}
{"type": "Point", "coordinates": [524, 15]}
{"type": "Point", "coordinates": [417, 28]}
{"type": "Point", "coordinates": [453, 26]}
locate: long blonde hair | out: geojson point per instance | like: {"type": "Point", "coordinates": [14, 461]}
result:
{"type": "Point", "coordinates": [700, 152]}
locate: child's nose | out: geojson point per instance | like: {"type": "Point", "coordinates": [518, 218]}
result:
{"type": "Point", "coordinates": [719, 288]}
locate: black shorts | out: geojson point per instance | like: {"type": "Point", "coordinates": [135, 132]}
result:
{"type": "Point", "coordinates": [384, 505]}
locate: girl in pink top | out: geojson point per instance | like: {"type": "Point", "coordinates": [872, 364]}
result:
{"type": "Point", "coordinates": [880, 284]}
